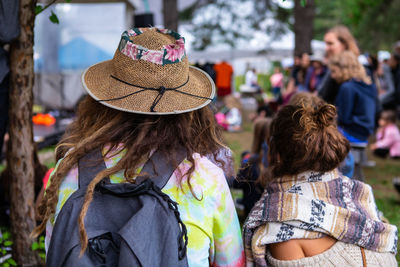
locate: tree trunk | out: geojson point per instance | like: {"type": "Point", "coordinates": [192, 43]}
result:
{"type": "Point", "coordinates": [303, 26]}
{"type": "Point", "coordinates": [170, 13]}
{"type": "Point", "coordinates": [20, 153]}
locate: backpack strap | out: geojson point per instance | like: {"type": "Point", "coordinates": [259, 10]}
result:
{"type": "Point", "coordinates": [92, 163]}
{"type": "Point", "coordinates": [89, 166]}
{"type": "Point", "coordinates": [162, 169]}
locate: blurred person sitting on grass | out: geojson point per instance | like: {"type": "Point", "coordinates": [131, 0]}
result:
{"type": "Point", "coordinates": [387, 136]}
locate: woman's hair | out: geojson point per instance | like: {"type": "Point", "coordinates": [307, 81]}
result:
{"type": "Point", "coordinates": [304, 137]}
{"type": "Point", "coordinates": [346, 38]}
{"type": "Point", "coordinates": [98, 126]}
{"type": "Point", "coordinates": [349, 67]}
{"type": "Point", "coordinates": [305, 99]}
{"type": "Point", "coordinates": [388, 115]}
{"type": "Point", "coordinates": [261, 134]}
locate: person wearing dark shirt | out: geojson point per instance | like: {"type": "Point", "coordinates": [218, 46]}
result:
{"type": "Point", "coordinates": [315, 72]}
{"type": "Point", "coordinates": [9, 30]}
{"type": "Point", "coordinates": [356, 98]}
{"type": "Point", "coordinates": [252, 165]}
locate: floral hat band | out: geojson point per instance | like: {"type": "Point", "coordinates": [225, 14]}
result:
{"type": "Point", "coordinates": [169, 54]}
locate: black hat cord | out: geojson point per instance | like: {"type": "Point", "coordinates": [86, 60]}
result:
{"type": "Point", "coordinates": [161, 90]}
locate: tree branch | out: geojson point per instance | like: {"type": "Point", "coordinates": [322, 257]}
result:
{"type": "Point", "coordinates": [37, 11]}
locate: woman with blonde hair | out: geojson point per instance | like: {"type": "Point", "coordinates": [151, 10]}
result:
{"type": "Point", "coordinates": [309, 213]}
{"type": "Point", "coordinates": [147, 112]}
{"type": "Point", "coordinates": [337, 40]}
{"type": "Point", "coordinates": [356, 99]}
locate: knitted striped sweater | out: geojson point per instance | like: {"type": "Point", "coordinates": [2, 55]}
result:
{"type": "Point", "coordinates": [310, 205]}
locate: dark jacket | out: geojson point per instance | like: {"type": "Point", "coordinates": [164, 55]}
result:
{"type": "Point", "coordinates": [356, 106]}
{"type": "Point", "coordinates": [328, 88]}
{"type": "Point", "coordinates": [389, 96]}
{"type": "Point", "coordinates": [9, 30]}
{"type": "Point", "coordinates": [396, 81]}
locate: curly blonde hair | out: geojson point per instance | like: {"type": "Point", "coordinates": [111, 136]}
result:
{"type": "Point", "coordinates": [349, 67]}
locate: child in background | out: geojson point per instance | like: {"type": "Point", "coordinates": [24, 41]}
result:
{"type": "Point", "coordinates": [387, 136]}
{"type": "Point", "coordinates": [276, 82]}
{"type": "Point", "coordinates": [230, 116]}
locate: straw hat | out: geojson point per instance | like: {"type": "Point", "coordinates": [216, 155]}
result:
{"type": "Point", "coordinates": [149, 74]}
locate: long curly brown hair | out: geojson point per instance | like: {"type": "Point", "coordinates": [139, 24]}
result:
{"type": "Point", "coordinates": [305, 138]}
{"type": "Point", "coordinates": [97, 126]}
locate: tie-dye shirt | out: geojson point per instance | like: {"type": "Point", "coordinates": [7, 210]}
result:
{"type": "Point", "coordinates": [214, 236]}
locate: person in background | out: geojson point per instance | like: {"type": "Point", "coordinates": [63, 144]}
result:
{"type": "Point", "coordinates": [233, 114]}
{"type": "Point", "coordinates": [394, 63]}
{"type": "Point", "coordinates": [385, 85]}
{"type": "Point", "coordinates": [315, 72]}
{"type": "Point", "coordinates": [372, 67]}
{"type": "Point", "coordinates": [252, 164]}
{"type": "Point", "coordinates": [356, 98]}
{"type": "Point", "coordinates": [276, 80]}
{"type": "Point", "coordinates": [264, 110]}
{"type": "Point", "coordinates": [298, 79]}
{"type": "Point", "coordinates": [337, 40]}
{"type": "Point", "coordinates": [297, 60]}
{"type": "Point", "coordinates": [309, 213]}
{"type": "Point", "coordinates": [387, 136]}
{"type": "Point", "coordinates": [251, 80]}
{"type": "Point", "coordinates": [9, 30]}
{"type": "Point", "coordinates": [223, 78]}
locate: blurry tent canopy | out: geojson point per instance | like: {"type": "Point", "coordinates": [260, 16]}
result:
{"type": "Point", "coordinates": [63, 51]}
{"type": "Point", "coordinates": [90, 54]}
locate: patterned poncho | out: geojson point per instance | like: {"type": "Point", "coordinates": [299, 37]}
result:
{"type": "Point", "coordinates": [310, 205]}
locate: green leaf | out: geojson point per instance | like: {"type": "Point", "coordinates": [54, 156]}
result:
{"type": "Point", "coordinates": [6, 235]}
{"type": "Point", "coordinates": [303, 3]}
{"type": "Point", "coordinates": [53, 18]}
{"type": "Point", "coordinates": [8, 243]}
{"type": "Point", "coordinates": [6, 264]}
{"type": "Point", "coordinates": [38, 9]}
{"type": "Point", "coordinates": [68, 1]}
{"type": "Point", "coordinates": [35, 246]}
{"type": "Point", "coordinates": [42, 255]}
{"type": "Point", "coordinates": [12, 262]}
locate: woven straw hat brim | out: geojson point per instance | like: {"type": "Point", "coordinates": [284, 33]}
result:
{"type": "Point", "coordinates": [99, 84]}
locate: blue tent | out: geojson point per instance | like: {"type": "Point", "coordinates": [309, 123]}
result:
{"type": "Point", "coordinates": [80, 54]}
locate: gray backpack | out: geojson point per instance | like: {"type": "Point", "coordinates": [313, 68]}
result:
{"type": "Point", "coordinates": [127, 224]}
